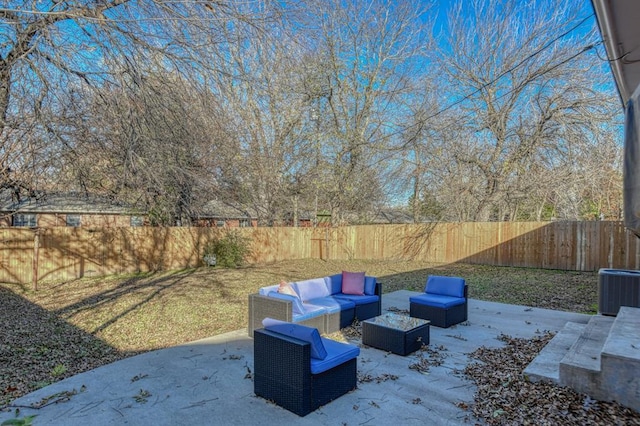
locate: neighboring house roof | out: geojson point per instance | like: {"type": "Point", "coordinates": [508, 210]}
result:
{"type": "Point", "coordinates": [216, 209]}
{"type": "Point", "coordinates": [391, 215]}
{"type": "Point", "coordinates": [62, 203]}
{"type": "Point", "coordinates": [387, 215]}
{"type": "Point", "coordinates": [620, 30]}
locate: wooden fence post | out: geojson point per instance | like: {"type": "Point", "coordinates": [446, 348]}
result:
{"type": "Point", "coordinates": [326, 234]}
{"type": "Point", "coordinates": [36, 249]}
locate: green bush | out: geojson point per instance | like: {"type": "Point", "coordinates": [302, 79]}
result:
{"type": "Point", "coordinates": [228, 250]}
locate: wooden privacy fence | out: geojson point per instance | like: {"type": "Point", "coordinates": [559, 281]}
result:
{"type": "Point", "coordinates": [579, 246]}
{"type": "Point", "coordinates": [61, 253]}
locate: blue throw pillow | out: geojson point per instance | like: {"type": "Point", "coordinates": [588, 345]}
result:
{"type": "Point", "coordinates": [298, 309]}
{"type": "Point", "coordinates": [301, 332]}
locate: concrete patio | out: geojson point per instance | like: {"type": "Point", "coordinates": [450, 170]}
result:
{"type": "Point", "coordinates": [209, 381]}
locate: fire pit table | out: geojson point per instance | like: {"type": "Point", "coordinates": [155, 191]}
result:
{"type": "Point", "coordinates": [399, 334]}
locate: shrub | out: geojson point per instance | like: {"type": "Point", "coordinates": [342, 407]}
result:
{"type": "Point", "coordinates": [228, 250]}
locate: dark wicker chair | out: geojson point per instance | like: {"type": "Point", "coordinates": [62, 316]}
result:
{"type": "Point", "coordinates": [282, 374]}
{"type": "Point", "coordinates": [444, 302]}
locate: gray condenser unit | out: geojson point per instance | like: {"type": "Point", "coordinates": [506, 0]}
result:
{"type": "Point", "coordinates": [617, 287]}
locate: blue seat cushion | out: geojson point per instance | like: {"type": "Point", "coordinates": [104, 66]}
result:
{"type": "Point", "coordinates": [446, 286]}
{"type": "Point", "coordinates": [358, 300]}
{"type": "Point", "coordinates": [298, 308]}
{"type": "Point", "coordinates": [333, 304]}
{"type": "Point", "coordinates": [437, 300]}
{"type": "Point", "coordinates": [301, 332]}
{"type": "Point", "coordinates": [337, 353]}
{"type": "Point", "coordinates": [309, 311]}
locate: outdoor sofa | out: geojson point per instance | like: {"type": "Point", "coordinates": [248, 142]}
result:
{"type": "Point", "coordinates": [444, 301]}
{"type": "Point", "coordinates": [298, 369]}
{"type": "Point", "coordinates": [323, 303]}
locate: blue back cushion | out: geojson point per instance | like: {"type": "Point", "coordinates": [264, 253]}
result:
{"type": "Point", "coordinates": [369, 286]}
{"type": "Point", "coordinates": [301, 332]}
{"type": "Point", "coordinates": [335, 283]}
{"type": "Point", "coordinates": [446, 286]}
{"type": "Point", "coordinates": [264, 291]}
{"type": "Point", "coordinates": [297, 303]}
{"type": "Point", "coordinates": [311, 289]}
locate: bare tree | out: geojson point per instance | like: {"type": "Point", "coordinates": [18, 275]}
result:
{"type": "Point", "coordinates": [368, 52]}
{"type": "Point", "coordinates": [50, 45]}
{"type": "Point", "coordinates": [146, 141]}
{"type": "Point", "coordinates": [421, 152]}
{"type": "Point", "coordinates": [265, 150]}
{"type": "Point", "coordinates": [528, 87]}
{"type": "Point", "coordinates": [588, 185]}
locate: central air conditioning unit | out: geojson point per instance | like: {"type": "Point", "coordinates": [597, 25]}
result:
{"type": "Point", "coordinates": [617, 287]}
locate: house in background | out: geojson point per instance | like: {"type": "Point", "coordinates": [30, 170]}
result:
{"type": "Point", "coordinates": [382, 216]}
{"type": "Point", "coordinates": [81, 210]}
{"type": "Point", "coordinates": [216, 213]}
{"type": "Point", "coordinates": [65, 209]}
{"type": "Point", "coordinates": [303, 219]}
{"type": "Point", "coordinates": [391, 216]}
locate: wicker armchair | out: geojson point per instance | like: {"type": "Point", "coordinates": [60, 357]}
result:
{"type": "Point", "coordinates": [283, 372]}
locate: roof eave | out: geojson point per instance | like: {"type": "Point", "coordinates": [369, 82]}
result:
{"type": "Point", "coordinates": [604, 17]}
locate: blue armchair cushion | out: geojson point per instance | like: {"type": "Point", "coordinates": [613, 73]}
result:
{"type": "Point", "coordinates": [301, 332]}
{"type": "Point", "coordinates": [296, 302]}
{"type": "Point", "coordinates": [337, 353]}
{"type": "Point", "coordinates": [437, 300]}
{"type": "Point", "coordinates": [446, 286]}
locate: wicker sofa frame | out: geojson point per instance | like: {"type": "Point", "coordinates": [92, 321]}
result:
{"type": "Point", "coordinates": [261, 307]}
{"type": "Point", "coordinates": [282, 374]}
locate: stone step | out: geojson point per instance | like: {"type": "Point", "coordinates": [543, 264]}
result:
{"type": "Point", "coordinates": [621, 360]}
{"type": "Point", "coordinates": [580, 367]}
{"type": "Point", "coordinates": [624, 338]}
{"type": "Point", "coordinates": [546, 366]}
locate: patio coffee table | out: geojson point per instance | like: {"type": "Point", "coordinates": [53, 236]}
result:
{"type": "Point", "coordinates": [400, 334]}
